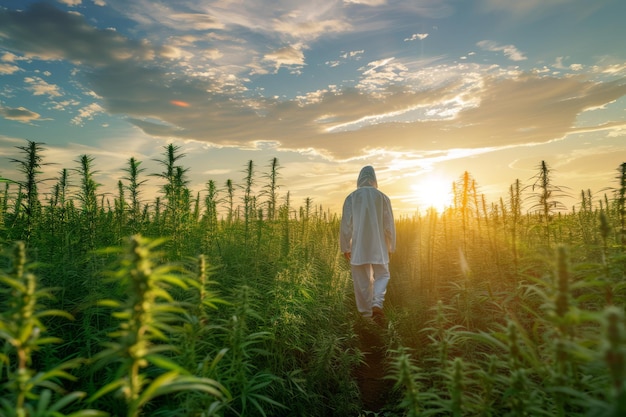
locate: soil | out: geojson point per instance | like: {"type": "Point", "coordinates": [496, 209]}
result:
{"type": "Point", "coordinates": [375, 389]}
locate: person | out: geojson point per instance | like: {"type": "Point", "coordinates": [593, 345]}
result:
{"type": "Point", "coordinates": [367, 238]}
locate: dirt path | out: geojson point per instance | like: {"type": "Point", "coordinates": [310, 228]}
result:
{"type": "Point", "coordinates": [375, 390]}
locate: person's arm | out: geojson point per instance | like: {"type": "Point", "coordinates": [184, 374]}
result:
{"type": "Point", "coordinates": [389, 225]}
{"type": "Point", "coordinates": [345, 231]}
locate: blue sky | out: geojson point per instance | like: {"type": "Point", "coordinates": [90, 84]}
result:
{"type": "Point", "coordinates": [423, 90]}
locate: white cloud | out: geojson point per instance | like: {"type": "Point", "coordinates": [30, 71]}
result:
{"type": "Point", "coordinates": [39, 87]}
{"type": "Point", "coordinates": [87, 113]}
{"type": "Point", "coordinates": [6, 69]}
{"type": "Point", "coordinates": [309, 29]}
{"type": "Point", "coordinates": [9, 57]}
{"type": "Point", "coordinates": [613, 69]}
{"type": "Point", "coordinates": [416, 36]}
{"type": "Point", "coordinates": [377, 64]}
{"type": "Point", "coordinates": [366, 2]}
{"type": "Point", "coordinates": [352, 54]}
{"type": "Point", "coordinates": [64, 104]}
{"type": "Point", "coordinates": [510, 51]}
{"type": "Point", "coordinates": [287, 56]}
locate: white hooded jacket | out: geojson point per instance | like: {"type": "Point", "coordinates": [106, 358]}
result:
{"type": "Point", "coordinates": [367, 226]}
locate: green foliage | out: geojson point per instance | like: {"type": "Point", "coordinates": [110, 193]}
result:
{"type": "Point", "coordinates": [30, 166]}
{"type": "Point", "coordinates": [26, 390]}
{"type": "Point", "coordinates": [493, 310]}
{"type": "Point", "coordinates": [146, 318]}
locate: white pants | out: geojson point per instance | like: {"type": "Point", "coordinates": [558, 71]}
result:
{"type": "Point", "coordinates": [370, 285]}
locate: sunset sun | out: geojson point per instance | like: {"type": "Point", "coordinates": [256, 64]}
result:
{"type": "Point", "coordinates": [433, 192]}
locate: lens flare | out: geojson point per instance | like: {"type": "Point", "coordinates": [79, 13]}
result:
{"type": "Point", "coordinates": [180, 103]}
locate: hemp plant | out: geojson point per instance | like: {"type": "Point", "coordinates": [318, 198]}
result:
{"type": "Point", "coordinates": [24, 389]}
{"type": "Point", "coordinates": [546, 196]}
{"type": "Point", "coordinates": [147, 316]}
{"type": "Point", "coordinates": [30, 165]}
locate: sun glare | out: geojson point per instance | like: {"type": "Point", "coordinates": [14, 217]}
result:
{"type": "Point", "coordinates": [433, 192]}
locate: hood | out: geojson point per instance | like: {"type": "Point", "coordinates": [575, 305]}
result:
{"type": "Point", "coordinates": [367, 177]}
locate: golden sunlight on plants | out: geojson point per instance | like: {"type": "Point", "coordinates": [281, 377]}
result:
{"type": "Point", "coordinates": [235, 301]}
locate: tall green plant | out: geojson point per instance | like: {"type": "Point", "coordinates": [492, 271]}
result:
{"type": "Point", "coordinates": [88, 197]}
{"type": "Point", "coordinates": [285, 223]}
{"type": "Point", "coordinates": [271, 189]}
{"type": "Point", "coordinates": [26, 390]}
{"type": "Point", "coordinates": [240, 367]}
{"type": "Point", "coordinates": [407, 379]}
{"type": "Point", "coordinates": [171, 190]}
{"type": "Point", "coordinates": [230, 201]}
{"type": "Point", "coordinates": [4, 202]}
{"type": "Point", "coordinates": [620, 203]}
{"type": "Point", "coordinates": [614, 352]}
{"type": "Point", "coordinates": [547, 197]}
{"type": "Point", "coordinates": [147, 317]}
{"type": "Point", "coordinates": [211, 201]}
{"type": "Point", "coordinates": [176, 194]}
{"type": "Point", "coordinates": [30, 166]}
{"type": "Point", "coordinates": [134, 184]}
{"type": "Point", "coordinates": [464, 204]}
{"type": "Point", "coordinates": [248, 198]}
{"type": "Point", "coordinates": [515, 207]}
{"type": "Point", "coordinates": [121, 209]}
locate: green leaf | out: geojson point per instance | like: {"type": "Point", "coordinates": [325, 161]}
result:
{"type": "Point", "coordinates": [66, 400]}
{"type": "Point", "coordinates": [42, 404]}
{"type": "Point", "coordinates": [88, 413]}
{"type": "Point", "coordinates": [58, 313]}
{"type": "Point", "coordinates": [107, 389]}
{"type": "Point", "coordinates": [161, 385]}
{"type": "Point", "coordinates": [108, 303]}
{"type": "Point", "coordinates": [165, 363]}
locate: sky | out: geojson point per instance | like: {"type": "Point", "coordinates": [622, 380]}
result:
{"type": "Point", "coordinates": [423, 90]}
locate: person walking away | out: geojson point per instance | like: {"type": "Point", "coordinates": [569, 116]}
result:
{"type": "Point", "coordinates": [367, 238]}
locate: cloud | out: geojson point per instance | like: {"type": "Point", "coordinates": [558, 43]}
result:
{"type": "Point", "coordinates": [310, 29]}
{"type": "Point", "coordinates": [374, 65]}
{"type": "Point", "coordinates": [252, 21]}
{"type": "Point", "coordinates": [40, 87]}
{"type": "Point", "coordinates": [379, 75]}
{"type": "Point", "coordinates": [71, 3]}
{"type": "Point", "coordinates": [19, 114]}
{"type": "Point", "coordinates": [6, 69]}
{"type": "Point", "coordinates": [416, 36]}
{"type": "Point", "coordinates": [9, 57]}
{"type": "Point", "coordinates": [287, 56]}
{"type": "Point", "coordinates": [345, 57]}
{"type": "Point", "coordinates": [195, 21]}
{"type": "Point", "coordinates": [366, 2]}
{"type": "Point", "coordinates": [394, 106]}
{"type": "Point", "coordinates": [45, 32]}
{"type": "Point", "coordinates": [510, 51]}
{"type": "Point", "coordinates": [352, 54]}
{"type": "Point", "coordinates": [395, 103]}
{"type": "Point", "coordinates": [87, 112]}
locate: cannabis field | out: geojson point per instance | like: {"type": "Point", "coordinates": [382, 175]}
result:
{"type": "Point", "coordinates": [235, 301]}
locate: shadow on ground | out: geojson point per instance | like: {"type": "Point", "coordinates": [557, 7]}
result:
{"type": "Point", "coordinates": [375, 389]}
